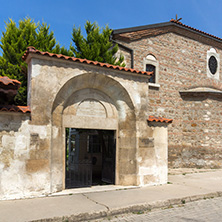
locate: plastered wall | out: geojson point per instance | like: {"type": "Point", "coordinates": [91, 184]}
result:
{"type": "Point", "coordinates": [66, 94]}
{"type": "Point", "coordinates": [24, 159]}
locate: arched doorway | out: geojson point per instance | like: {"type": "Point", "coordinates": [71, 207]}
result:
{"type": "Point", "coordinates": [94, 102]}
{"type": "Point", "coordinates": [90, 121]}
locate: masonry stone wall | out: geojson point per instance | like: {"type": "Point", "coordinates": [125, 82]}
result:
{"type": "Point", "coordinates": [24, 159]}
{"type": "Point", "coordinates": [196, 132]}
{"type": "Point", "coordinates": [64, 94]}
{"type": "Point", "coordinates": [67, 85]}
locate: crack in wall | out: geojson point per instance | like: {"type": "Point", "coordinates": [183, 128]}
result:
{"type": "Point", "coordinates": [96, 201]}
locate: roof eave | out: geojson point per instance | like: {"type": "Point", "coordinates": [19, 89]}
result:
{"type": "Point", "coordinates": [29, 55]}
{"type": "Point", "coordinates": [164, 24]}
{"type": "Point", "coordinates": [140, 28]}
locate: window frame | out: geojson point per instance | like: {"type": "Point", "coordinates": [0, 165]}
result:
{"type": "Point", "coordinates": [147, 61]}
{"type": "Point", "coordinates": [212, 52]}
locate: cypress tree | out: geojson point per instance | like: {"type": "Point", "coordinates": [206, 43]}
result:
{"type": "Point", "coordinates": [14, 42]}
{"type": "Point", "coordinates": [96, 45]}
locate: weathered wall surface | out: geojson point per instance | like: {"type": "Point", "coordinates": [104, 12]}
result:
{"type": "Point", "coordinates": [195, 135]}
{"type": "Point", "coordinates": [126, 94]}
{"type": "Point", "coordinates": [66, 94]}
{"type": "Point", "coordinates": [153, 155]}
{"type": "Point", "coordinates": [124, 99]}
{"type": "Point", "coordinates": [24, 158]}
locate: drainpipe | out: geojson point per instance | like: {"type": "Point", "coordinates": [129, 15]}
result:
{"type": "Point", "coordinates": [124, 47]}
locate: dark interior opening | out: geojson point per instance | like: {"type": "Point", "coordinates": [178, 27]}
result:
{"type": "Point", "coordinates": [90, 157]}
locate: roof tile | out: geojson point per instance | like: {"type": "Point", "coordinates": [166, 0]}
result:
{"type": "Point", "coordinates": [32, 49]}
{"type": "Point", "coordinates": [159, 119]}
{"type": "Point", "coordinates": [133, 33]}
{"type": "Point", "coordinates": [13, 108]}
{"type": "Point", "coordinates": [197, 30]}
{"type": "Point", "coordinates": [6, 81]}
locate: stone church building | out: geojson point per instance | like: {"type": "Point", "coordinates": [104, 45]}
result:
{"type": "Point", "coordinates": [187, 87]}
{"type": "Point", "coordinates": [89, 123]}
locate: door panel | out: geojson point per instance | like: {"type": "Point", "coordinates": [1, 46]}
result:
{"type": "Point", "coordinates": [108, 153]}
{"type": "Point", "coordinates": [90, 157]}
{"type": "Point", "coordinates": [78, 163]}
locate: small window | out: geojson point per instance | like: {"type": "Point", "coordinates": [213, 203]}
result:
{"type": "Point", "coordinates": [213, 64]}
{"type": "Point", "coordinates": [151, 68]}
{"type": "Point", "coordinates": [152, 65]}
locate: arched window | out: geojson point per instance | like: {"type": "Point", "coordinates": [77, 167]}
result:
{"type": "Point", "coordinates": [151, 68]}
{"type": "Point", "coordinates": [152, 65]}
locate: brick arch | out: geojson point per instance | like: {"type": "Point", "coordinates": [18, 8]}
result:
{"type": "Point", "coordinates": [118, 97]}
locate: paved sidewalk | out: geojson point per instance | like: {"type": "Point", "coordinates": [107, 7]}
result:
{"type": "Point", "coordinates": [208, 210]}
{"type": "Point", "coordinates": [183, 187]}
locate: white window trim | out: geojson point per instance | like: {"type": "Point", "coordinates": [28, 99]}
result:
{"type": "Point", "coordinates": [156, 85]}
{"type": "Point", "coordinates": [212, 52]}
{"type": "Point", "coordinates": [156, 64]}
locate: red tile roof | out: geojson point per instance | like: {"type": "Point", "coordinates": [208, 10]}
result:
{"type": "Point", "coordinates": [133, 33]}
{"type": "Point", "coordinates": [32, 49]}
{"type": "Point", "coordinates": [197, 30]}
{"type": "Point", "coordinates": [6, 91]}
{"type": "Point", "coordinates": [13, 108]}
{"type": "Point", "coordinates": [6, 81]}
{"type": "Point", "coordinates": [159, 119]}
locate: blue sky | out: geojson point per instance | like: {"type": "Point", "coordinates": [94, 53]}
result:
{"type": "Point", "coordinates": [205, 15]}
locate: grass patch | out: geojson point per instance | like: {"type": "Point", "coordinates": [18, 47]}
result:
{"type": "Point", "coordinates": [183, 201]}
{"type": "Point", "coordinates": [138, 212]}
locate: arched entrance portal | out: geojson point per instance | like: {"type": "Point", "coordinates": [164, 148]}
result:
{"type": "Point", "coordinates": [90, 120]}
{"type": "Point", "coordinates": [93, 106]}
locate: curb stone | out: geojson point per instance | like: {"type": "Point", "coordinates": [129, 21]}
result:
{"type": "Point", "coordinates": [130, 209]}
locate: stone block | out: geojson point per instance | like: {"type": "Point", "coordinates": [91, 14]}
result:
{"type": "Point", "coordinates": [147, 154]}
{"type": "Point", "coordinates": [39, 154]}
{"type": "Point", "coordinates": [146, 142]}
{"type": "Point", "coordinates": [149, 179]}
{"type": "Point", "coordinates": [127, 142]}
{"type": "Point", "coordinates": [33, 166]}
{"type": "Point", "coordinates": [127, 154]}
{"type": "Point", "coordinates": [128, 180]}
{"type": "Point", "coordinates": [128, 167]}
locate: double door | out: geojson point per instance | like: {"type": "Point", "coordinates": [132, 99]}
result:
{"type": "Point", "coordinates": [90, 157]}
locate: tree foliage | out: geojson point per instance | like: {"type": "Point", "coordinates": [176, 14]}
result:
{"type": "Point", "coordinates": [14, 42]}
{"type": "Point", "coordinates": [96, 45]}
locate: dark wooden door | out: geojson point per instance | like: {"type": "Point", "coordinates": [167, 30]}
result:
{"type": "Point", "coordinates": [108, 157]}
{"type": "Point", "coordinates": [81, 148]}
{"type": "Point", "coordinates": [78, 168]}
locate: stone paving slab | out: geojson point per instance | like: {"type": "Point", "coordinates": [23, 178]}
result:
{"type": "Point", "coordinates": [91, 205]}
{"type": "Point", "coordinates": [48, 207]}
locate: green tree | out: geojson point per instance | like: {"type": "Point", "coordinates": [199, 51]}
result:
{"type": "Point", "coordinates": [96, 46]}
{"type": "Point", "coordinates": [14, 42]}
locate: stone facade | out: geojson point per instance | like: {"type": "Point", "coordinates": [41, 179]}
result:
{"type": "Point", "coordinates": [24, 159]}
{"type": "Point", "coordinates": [67, 94]}
{"type": "Point", "coordinates": [185, 91]}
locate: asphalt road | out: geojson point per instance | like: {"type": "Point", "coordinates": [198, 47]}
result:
{"type": "Point", "coordinates": [199, 211]}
